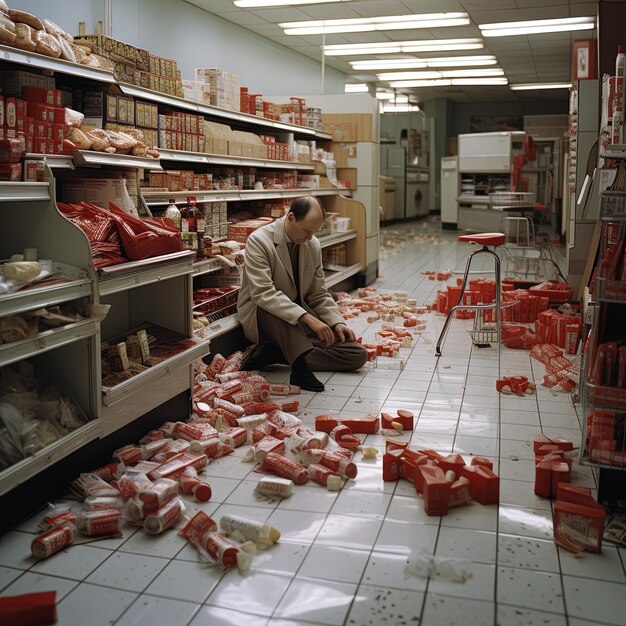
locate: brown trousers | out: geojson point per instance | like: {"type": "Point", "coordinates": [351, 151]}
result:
{"type": "Point", "coordinates": [296, 339]}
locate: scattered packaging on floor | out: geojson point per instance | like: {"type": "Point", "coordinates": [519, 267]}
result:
{"type": "Point", "coordinates": [559, 370]}
{"type": "Point", "coordinates": [515, 384]}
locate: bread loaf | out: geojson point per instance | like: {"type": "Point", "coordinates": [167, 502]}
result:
{"type": "Point", "coordinates": [79, 139]}
{"type": "Point", "coordinates": [24, 37]}
{"type": "Point", "coordinates": [22, 17]}
{"type": "Point", "coordinates": [47, 44]}
{"type": "Point", "coordinates": [7, 30]}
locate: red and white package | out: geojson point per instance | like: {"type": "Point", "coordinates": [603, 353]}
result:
{"type": "Point", "coordinates": [59, 515]}
{"type": "Point", "coordinates": [234, 437]}
{"type": "Point", "coordinates": [165, 517]}
{"type": "Point", "coordinates": [216, 365]}
{"type": "Point", "coordinates": [109, 471]}
{"type": "Point", "coordinates": [153, 435]}
{"type": "Point", "coordinates": [320, 473]}
{"type": "Point", "coordinates": [251, 421]}
{"type": "Point", "coordinates": [226, 390]}
{"type": "Point", "coordinates": [291, 406]}
{"type": "Point", "coordinates": [282, 419]}
{"type": "Point", "coordinates": [190, 484]}
{"type": "Point", "coordinates": [339, 464]}
{"type": "Point", "coordinates": [92, 485]}
{"type": "Point", "coordinates": [188, 432]}
{"type": "Point", "coordinates": [93, 503]}
{"type": "Point", "coordinates": [266, 445]}
{"type": "Point", "coordinates": [156, 495]}
{"type": "Point", "coordinates": [173, 448]}
{"type": "Point", "coordinates": [172, 468]}
{"type": "Point", "coordinates": [167, 428]}
{"type": "Point", "coordinates": [229, 408]}
{"type": "Point", "coordinates": [201, 531]}
{"type": "Point", "coordinates": [52, 541]}
{"type": "Point", "coordinates": [131, 482]}
{"type": "Point", "coordinates": [211, 448]}
{"type": "Point", "coordinates": [129, 455]}
{"type": "Point", "coordinates": [284, 467]}
{"type": "Point", "coordinates": [149, 449]}
{"type": "Point", "coordinates": [224, 378]}
{"type": "Point", "coordinates": [99, 522]}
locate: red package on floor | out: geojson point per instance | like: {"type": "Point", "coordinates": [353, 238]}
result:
{"type": "Point", "coordinates": [30, 608]}
{"type": "Point", "coordinates": [436, 490]}
{"type": "Point", "coordinates": [484, 484]}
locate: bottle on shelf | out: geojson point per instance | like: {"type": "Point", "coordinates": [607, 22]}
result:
{"type": "Point", "coordinates": [189, 215]}
{"type": "Point", "coordinates": [172, 212]}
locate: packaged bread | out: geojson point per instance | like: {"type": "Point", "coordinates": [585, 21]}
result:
{"type": "Point", "coordinates": [92, 60]}
{"type": "Point", "coordinates": [24, 37]}
{"type": "Point", "coordinates": [99, 140]}
{"type": "Point", "coordinates": [105, 63]}
{"type": "Point", "coordinates": [122, 143]}
{"type": "Point", "coordinates": [67, 53]}
{"type": "Point", "coordinates": [80, 52]}
{"type": "Point", "coordinates": [135, 133]}
{"type": "Point", "coordinates": [55, 29]}
{"type": "Point", "coordinates": [22, 17]}
{"type": "Point", "coordinates": [79, 139]}
{"type": "Point", "coordinates": [7, 30]}
{"type": "Point", "coordinates": [73, 118]}
{"type": "Point", "coordinates": [47, 44]}
{"type": "Point", "coordinates": [4, 9]}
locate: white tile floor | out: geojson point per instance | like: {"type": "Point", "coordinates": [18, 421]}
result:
{"type": "Point", "coordinates": [341, 558]}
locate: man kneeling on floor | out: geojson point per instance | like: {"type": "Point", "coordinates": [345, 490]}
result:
{"type": "Point", "coordinates": [284, 306]}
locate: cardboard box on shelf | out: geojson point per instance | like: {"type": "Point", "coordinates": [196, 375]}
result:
{"type": "Point", "coordinates": [349, 128]}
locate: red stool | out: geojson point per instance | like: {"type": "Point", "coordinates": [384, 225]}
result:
{"type": "Point", "coordinates": [485, 240]}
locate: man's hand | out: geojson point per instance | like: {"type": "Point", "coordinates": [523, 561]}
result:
{"type": "Point", "coordinates": [323, 331]}
{"type": "Point", "coordinates": [344, 333]}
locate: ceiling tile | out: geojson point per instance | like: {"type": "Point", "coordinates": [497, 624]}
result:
{"type": "Point", "coordinates": [282, 14]}
{"type": "Point", "coordinates": [432, 6]}
{"type": "Point", "coordinates": [213, 6]}
{"type": "Point", "coordinates": [514, 15]}
{"type": "Point", "coordinates": [378, 8]}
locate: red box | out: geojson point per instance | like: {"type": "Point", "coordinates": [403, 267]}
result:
{"type": "Point", "coordinates": [39, 145]}
{"type": "Point", "coordinates": [584, 65]}
{"type": "Point", "coordinates": [367, 425]}
{"type": "Point", "coordinates": [484, 484]}
{"type": "Point", "coordinates": [436, 490]}
{"type": "Point", "coordinates": [51, 97]}
{"type": "Point", "coordinates": [39, 112]}
{"type": "Point", "coordinates": [10, 171]}
{"type": "Point", "coordinates": [10, 117]}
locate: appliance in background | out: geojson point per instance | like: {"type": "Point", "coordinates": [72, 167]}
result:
{"type": "Point", "coordinates": [412, 182]}
{"type": "Point", "coordinates": [450, 187]}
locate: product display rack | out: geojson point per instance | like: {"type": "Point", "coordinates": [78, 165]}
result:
{"type": "Point", "coordinates": [155, 291]}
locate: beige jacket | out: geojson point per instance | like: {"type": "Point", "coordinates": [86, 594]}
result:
{"type": "Point", "coordinates": [268, 281]}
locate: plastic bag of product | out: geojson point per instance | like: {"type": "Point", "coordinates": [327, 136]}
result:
{"type": "Point", "coordinates": [92, 60]}
{"type": "Point", "coordinates": [25, 38]}
{"type": "Point", "coordinates": [23, 17]}
{"type": "Point", "coordinates": [73, 119]}
{"type": "Point", "coordinates": [16, 327]}
{"type": "Point", "coordinates": [55, 29]}
{"type": "Point", "coordinates": [67, 52]}
{"type": "Point", "coordinates": [47, 44]}
{"type": "Point", "coordinates": [79, 139]}
{"type": "Point", "coordinates": [122, 143]}
{"type": "Point", "coordinates": [4, 9]}
{"type": "Point", "coordinates": [7, 30]}
{"type": "Point", "coordinates": [518, 336]}
{"type": "Point", "coordinates": [99, 140]}
{"type": "Point", "coordinates": [80, 52]}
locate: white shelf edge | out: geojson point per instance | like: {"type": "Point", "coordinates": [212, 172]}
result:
{"type": "Point", "coordinates": [11, 191]}
{"type": "Point", "coordinates": [207, 266]}
{"type": "Point", "coordinates": [91, 157]}
{"type": "Point", "coordinates": [48, 340]}
{"type": "Point", "coordinates": [40, 61]}
{"type": "Point", "coordinates": [225, 159]}
{"type": "Point", "coordinates": [46, 295]}
{"type": "Point", "coordinates": [335, 238]}
{"type": "Point", "coordinates": [207, 109]}
{"type": "Point", "coordinates": [113, 395]}
{"type": "Point", "coordinates": [337, 277]}
{"type": "Point", "coordinates": [53, 161]}
{"type": "Point", "coordinates": [21, 471]}
{"type": "Point", "coordinates": [138, 273]}
{"type": "Point", "coordinates": [221, 326]}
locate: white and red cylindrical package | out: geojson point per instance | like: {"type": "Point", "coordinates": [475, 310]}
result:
{"type": "Point", "coordinates": [274, 486]}
{"type": "Point", "coordinates": [188, 432]}
{"type": "Point", "coordinates": [262, 430]}
{"type": "Point", "coordinates": [149, 449]}
{"type": "Point", "coordinates": [53, 540]}
{"type": "Point", "coordinates": [167, 428]}
{"type": "Point", "coordinates": [344, 437]}
{"type": "Point", "coordinates": [56, 518]}
{"type": "Point", "coordinates": [266, 445]}
{"type": "Point", "coordinates": [171, 468]}
{"type": "Point", "coordinates": [227, 407]}
{"type": "Point", "coordinates": [131, 482]}
{"type": "Point", "coordinates": [134, 510]}
{"type": "Point", "coordinates": [279, 390]}
{"type": "Point", "coordinates": [190, 484]}
{"type": "Point", "coordinates": [220, 549]}
{"type": "Point", "coordinates": [234, 437]}
{"type": "Point", "coordinates": [203, 411]}
{"type": "Point", "coordinates": [216, 365]}
{"type": "Point", "coordinates": [233, 362]}
{"type": "Point", "coordinates": [281, 419]}
{"type": "Point", "coordinates": [571, 338]}
{"type": "Point", "coordinates": [109, 471]}
{"type": "Point", "coordinates": [320, 473]}
{"type": "Point", "coordinates": [153, 435]}
{"type": "Point", "coordinates": [285, 468]}
{"type": "Point", "coordinates": [266, 407]}
{"type": "Point", "coordinates": [225, 390]}
{"type": "Point", "coordinates": [211, 448]}
{"type": "Point", "coordinates": [157, 494]}
{"type": "Point", "coordinates": [93, 503]}
{"type": "Point", "coordinates": [224, 378]}
{"type": "Point", "coordinates": [244, 397]}
{"type": "Point", "coordinates": [89, 484]}
{"type": "Point", "coordinates": [165, 517]}
{"type": "Point", "coordinates": [173, 448]}
{"type": "Point", "coordinates": [251, 421]}
{"type": "Point", "coordinates": [313, 439]}
{"type": "Point", "coordinates": [146, 466]}
{"type": "Point", "coordinates": [129, 455]}
{"type": "Point", "coordinates": [99, 522]}
{"type": "Point", "coordinates": [197, 527]}
{"type": "Point", "coordinates": [339, 464]}
{"type": "Point", "coordinates": [250, 529]}
{"type": "Point", "coordinates": [289, 407]}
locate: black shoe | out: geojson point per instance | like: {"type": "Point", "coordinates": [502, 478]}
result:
{"type": "Point", "coordinates": [262, 355]}
{"type": "Point", "coordinates": [305, 379]}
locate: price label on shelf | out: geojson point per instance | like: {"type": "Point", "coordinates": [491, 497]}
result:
{"type": "Point", "coordinates": [40, 344]}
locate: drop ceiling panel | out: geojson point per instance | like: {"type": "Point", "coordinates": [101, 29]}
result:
{"type": "Point", "coordinates": [282, 14]}
{"type": "Point", "coordinates": [432, 6]}
{"type": "Point", "coordinates": [378, 8]}
{"type": "Point", "coordinates": [243, 18]}
{"type": "Point", "coordinates": [513, 15]}
{"type": "Point", "coordinates": [563, 4]}
{"type": "Point", "coordinates": [478, 5]}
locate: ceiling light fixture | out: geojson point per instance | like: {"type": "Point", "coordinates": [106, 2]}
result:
{"type": "Point", "coordinates": [446, 82]}
{"type": "Point", "coordinates": [496, 71]}
{"type": "Point", "coordinates": [391, 64]}
{"type": "Point", "coordinates": [249, 4]}
{"type": "Point", "coordinates": [368, 24]}
{"type": "Point", "coordinates": [532, 27]}
{"type": "Point", "coordinates": [399, 108]}
{"type": "Point", "coordinates": [356, 88]}
{"type": "Point", "coordinates": [528, 86]}
{"type": "Point", "coordinates": [395, 47]}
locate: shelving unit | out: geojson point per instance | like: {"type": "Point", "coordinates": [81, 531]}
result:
{"type": "Point", "coordinates": [154, 291]}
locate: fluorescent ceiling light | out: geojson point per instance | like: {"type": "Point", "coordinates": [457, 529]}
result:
{"type": "Point", "coordinates": [446, 82]}
{"type": "Point", "coordinates": [395, 47]}
{"type": "Point", "coordinates": [496, 71]}
{"type": "Point", "coordinates": [528, 86]}
{"type": "Point", "coordinates": [390, 64]}
{"type": "Point", "coordinates": [400, 108]}
{"type": "Point", "coordinates": [509, 29]}
{"type": "Point", "coordinates": [248, 4]}
{"type": "Point", "coordinates": [368, 24]}
{"type": "Point", "coordinates": [356, 88]}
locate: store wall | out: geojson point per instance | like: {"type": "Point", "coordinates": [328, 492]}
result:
{"type": "Point", "coordinates": [195, 38]}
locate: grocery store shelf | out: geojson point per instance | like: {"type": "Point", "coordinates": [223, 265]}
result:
{"type": "Point", "coordinates": [614, 151]}
{"type": "Point", "coordinates": [336, 277]}
{"type": "Point", "coordinates": [112, 395]}
{"type": "Point", "coordinates": [216, 112]}
{"type": "Point", "coordinates": [23, 192]}
{"type": "Point", "coordinates": [48, 340]}
{"type": "Point", "coordinates": [53, 161]}
{"type": "Point", "coordinates": [84, 158]}
{"type": "Point", "coordinates": [335, 238]}
{"type": "Point", "coordinates": [224, 159]}
{"type": "Point", "coordinates": [207, 266]}
{"type": "Point", "coordinates": [138, 273]}
{"type": "Point", "coordinates": [42, 62]}
{"type": "Point", "coordinates": [45, 295]}
{"type": "Point", "coordinates": [29, 467]}
{"type": "Point", "coordinates": [221, 327]}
